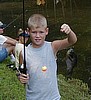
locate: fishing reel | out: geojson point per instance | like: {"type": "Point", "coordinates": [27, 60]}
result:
{"type": "Point", "coordinates": [22, 69]}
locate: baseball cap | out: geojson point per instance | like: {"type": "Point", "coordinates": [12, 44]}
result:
{"type": "Point", "coordinates": [21, 33]}
{"type": "Point", "coordinates": [2, 25]}
{"type": "Point", "coordinates": [24, 34]}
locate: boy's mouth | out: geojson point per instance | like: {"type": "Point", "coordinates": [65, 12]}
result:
{"type": "Point", "coordinates": [37, 40]}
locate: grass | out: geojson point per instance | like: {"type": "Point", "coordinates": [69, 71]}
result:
{"type": "Point", "coordinates": [12, 89]}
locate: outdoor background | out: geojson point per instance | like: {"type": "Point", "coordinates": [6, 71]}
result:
{"type": "Point", "coordinates": [76, 13]}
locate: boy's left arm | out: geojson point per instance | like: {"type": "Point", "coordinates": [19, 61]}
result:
{"type": "Point", "coordinates": [70, 40]}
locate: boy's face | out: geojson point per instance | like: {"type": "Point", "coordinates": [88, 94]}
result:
{"type": "Point", "coordinates": [38, 36]}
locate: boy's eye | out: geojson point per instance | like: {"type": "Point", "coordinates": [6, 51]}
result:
{"type": "Point", "coordinates": [41, 32]}
{"type": "Point", "coordinates": [35, 32]}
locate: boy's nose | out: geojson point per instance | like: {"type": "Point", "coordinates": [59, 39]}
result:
{"type": "Point", "coordinates": [37, 34]}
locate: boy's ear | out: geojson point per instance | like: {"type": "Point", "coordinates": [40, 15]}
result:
{"type": "Point", "coordinates": [47, 31]}
{"type": "Point", "coordinates": [28, 30]}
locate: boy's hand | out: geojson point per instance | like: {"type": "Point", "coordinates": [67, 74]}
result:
{"type": "Point", "coordinates": [65, 28]}
{"type": "Point", "coordinates": [23, 78]}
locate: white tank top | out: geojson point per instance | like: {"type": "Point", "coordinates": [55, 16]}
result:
{"type": "Point", "coordinates": [42, 68]}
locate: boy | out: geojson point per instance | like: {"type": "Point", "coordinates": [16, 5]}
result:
{"type": "Point", "coordinates": [41, 79]}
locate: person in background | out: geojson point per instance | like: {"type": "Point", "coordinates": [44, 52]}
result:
{"type": "Point", "coordinates": [41, 77]}
{"type": "Point", "coordinates": [71, 62]}
{"type": "Point", "coordinates": [7, 44]}
{"type": "Point", "coordinates": [20, 45]}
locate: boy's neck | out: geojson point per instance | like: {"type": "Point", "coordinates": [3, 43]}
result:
{"type": "Point", "coordinates": [37, 46]}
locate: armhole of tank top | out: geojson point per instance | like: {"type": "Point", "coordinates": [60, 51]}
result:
{"type": "Point", "coordinates": [52, 50]}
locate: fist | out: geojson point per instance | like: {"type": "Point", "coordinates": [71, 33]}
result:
{"type": "Point", "coordinates": [65, 28]}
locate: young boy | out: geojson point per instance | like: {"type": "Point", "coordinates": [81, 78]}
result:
{"type": "Point", "coordinates": [7, 44]}
{"type": "Point", "coordinates": [41, 79]}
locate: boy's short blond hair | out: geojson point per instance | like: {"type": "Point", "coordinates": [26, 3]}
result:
{"type": "Point", "coordinates": [37, 21]}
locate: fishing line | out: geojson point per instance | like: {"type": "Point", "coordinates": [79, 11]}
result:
{"type": "Point", "coordinates": [14, 20]}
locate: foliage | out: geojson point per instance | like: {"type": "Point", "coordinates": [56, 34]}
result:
{"type": "Point", "coordinates": [72, 89]}
{"type": "Point", "coordinates": [12, 89]}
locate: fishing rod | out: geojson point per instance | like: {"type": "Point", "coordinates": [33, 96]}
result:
{"type": "Point", "coordinates": [22, 68]}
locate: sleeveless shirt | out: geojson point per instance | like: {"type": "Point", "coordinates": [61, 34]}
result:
{"type": "Point", "coordinates": [42, 85]}
{"type": "Point", "coordinates": [18, 49]}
